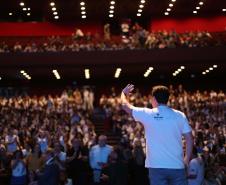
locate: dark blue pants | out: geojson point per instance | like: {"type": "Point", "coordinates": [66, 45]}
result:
{"type": "Point", "coordinates": [164, 176]}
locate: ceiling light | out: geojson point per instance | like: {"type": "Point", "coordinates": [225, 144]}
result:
{"type": "Point", "coordinates": [84, 16]}
{"type": "Point", "coordinates": [56, 17]}
{"type": "Point", "coordinates": [28, 9]}
{"type": "Point", "coordinates": [142, 1]}
{"type": "Point", "coordinates": [173, 0]}
{"type": "Point", "coordinates": [215, 66]}
{"type": "Point", "coordinates": [24, 9]}
{"type": "Point", "coordinates": [170, 5]}
{"type": "Point", "coordinates": [194, 12]}
{"type": "Point", "coordinates": [201, 3]}
{"type": "Point", "coordinates": [166, 13]}
{"type": "Point", "coordinates": [55, 13]}
{"type": "Point", "coordinates": [83, 12]}
{"type": "Point", "coordinates": [179, 70]}
{"type": "Point", "coordinates": [112, 7]}
{"type": "Point", "coordinates": [28, 14]}
{"type": "Point", "coordinates": [21, 3]}
{"type": "Point", "coordinates": [83, 8]}
{"type": "Point", "coordinates": [54, 9]}
{"type": "Point", "coordinates": [224, 9]}
{"type": "Point", "coordinates": [22, 72]}
{"type": "Point", "coordinates": [0, 78]}
{"type": "Point", "coordinates": [210, 68]}
{"type": "Point", "coordinates": [87, 74]}
{"type": "Point", "coordinates": [140, 10]}
{"type": "Point", "coordinates": [168, 9]}
{"type": "Point", "coordinates": [111, 11]}
{"type": "Point", "coordinates": [82, 3]}
{"type": "Point", "coordinates": [174, 74]}
{"type": "Point", "coordinates": [207, 71]}
{"type": "Point", "coordinates": [182, 67]}
{"type": "Point", "coordinates": [52, 4]}
{"type": "Point", "coordinates": [111, 15]}
{"type": "Point", "coordinates": [112, 2]}
{"type": "Point", "coordinates": [203, 73]}
{"type": "Point", "coordinates": [141, 6]}
{"type": "Point", "coordinates": [10, 13]}
{"type": "Point", "coordinates": [197, 8]}
{"type": "Point", "coordinates": [138, 14]}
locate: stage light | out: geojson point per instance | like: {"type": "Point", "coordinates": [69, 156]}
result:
{"type": "Point", "coordinates": [138, 14]}
{"type": "Point", "coordinates": [142, 1]}
{"type": "Point", "coordinates": [140, 10]}
{"type": "Point", "coordinates": [54, 9]}
{"type": "Point", "coordinates": [21, 3]}
{"type": "Point", "coordinates": [215, 66]}
{"type": "Point", "coordinates": [83, 12]}
{"type": "Point", "coordinates": [203, 73]}
{"type": "Point", "coordinates": [201, 3]}
{"type": "Point", "coordinates": [170, 5]}
{"type": "Point", "coordinates": [55, 13]}
{"type": "Point", "coordinates": [52, 4]}
{"type": "Point", "coordinates": [111, 15]}
{"type": "Point", "coordinates": [28, 14]}
{"type": "Point", "coordinates": [56, 17]}
{"type": "Point", "coordinates": [112, 2]}
{"type": "Point", "coordinates": [173, 0]}
{"type": "Point", "coordinates": [112, 7]}
{"type": "Point", "coordinates": [210, 68]}
{"type": "Point", "coordinates": [197, 8]}
{"type": "Point", "coordinates": [168, 9]}
{"type": "Point", "coordinates": [24, 9]}
{"type": "Point", "coordinates": [83, 8]}
{"type": "Point", "coordinates": [111, 11]}
{"type": "Point", "coordinates": [141, 6]}
{"type": "Point", "coordinates": [84, 16]}
{"type": "Point", "coordinates": [166, 13]}
{"type": "Point", "coordinates": [22, 72]}
{"type": "Point", "coordinates": [182, 67]}
{"type": "Point", "coordinates": [56, 74]}
{"type": "Point", "coordinates": [10, 13]}
{"type": "Point", "coordinates": [148, 71]}
{"type": "Point", "coordinates": [82, 3]}
{"type": "Point", "coordinates": [0, 78]}
{"type": "Point", "coordinates": [207, 71]}
{"type": "Point", "coordinates": [224, 9]}
{"type": "Point", "coordinates": [28, 9]}
{"type": "Point", "coordinates": [174, 74]}
{"type": "Point", "coordinates": [194, 12]}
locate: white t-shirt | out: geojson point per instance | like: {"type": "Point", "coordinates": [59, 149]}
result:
{"type": "Point", "coordinates": [196, 167]}
{"type": "Point", "coordinates": [163, 132]}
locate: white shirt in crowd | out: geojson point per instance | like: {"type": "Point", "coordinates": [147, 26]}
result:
{"type": "Point", "coordinates": [12, 140]}
{"type": "Point", "coordinates": [196, 168]}
{"type": "Point", "coordinates": [19, 170]}
{"type": "Point", "coordinates": [43, 142]}
{"type": "Point", "coordinates": [163, 132]}
{"type": "Point", "coordinates": [99, 154]}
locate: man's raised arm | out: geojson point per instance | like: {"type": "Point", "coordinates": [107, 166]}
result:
{"type": "Point", "coordinates": [124, 101]}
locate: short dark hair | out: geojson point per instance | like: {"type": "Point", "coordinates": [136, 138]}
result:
{"type": "Point", "coordinates": [161, 93]}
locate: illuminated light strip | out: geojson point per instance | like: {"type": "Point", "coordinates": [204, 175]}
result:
{"type": "Point", "coordinates": [56, 74]}
{"type": "Point", "coordinates": [87, 74]}
{"type": "Point", "coordinates": [179, 70]}
{"type": "Point", "coordinates": [25, 74]}
{"type": "Point", "coordinates": [170, 6]}
{"type": "Point", "coordinates": [198, 7]}
{"type": "Point", "coordinates": [209, 69]}
{"type": "Point", "coordinates": [111, 9]}
{"type": "Point", "coordinates": [140, 9]}
{"type": "Point", "coordinates": [118, 72]}
{"type": "Point", "coordinates": [148, 71]}
{"type": "Point", "coordinates": [54, 10]}
{"type": "Point", "coordinates": [83, 9]}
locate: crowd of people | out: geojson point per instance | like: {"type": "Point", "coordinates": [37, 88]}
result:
{"type": "Point", "coordinates": [133, 38]}
{"type": "Point", "coordinates": [52, 139]}
{"type": "Point", "coordinates": [206, 112]}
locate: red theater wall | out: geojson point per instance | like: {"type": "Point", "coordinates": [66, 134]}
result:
{"type": "Point", "coordinates": [212, 24]}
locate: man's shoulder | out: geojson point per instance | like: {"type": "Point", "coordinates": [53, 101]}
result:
{"type": "Point", "coordinates": [177, 112]}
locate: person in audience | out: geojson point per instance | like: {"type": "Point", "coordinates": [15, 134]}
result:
{"type": "Point", "coordinates": [19, 171]}
{"type": "Point", "coordinates": [51, 171]}
{"type": "Point", "coordinates": [196, 169]}
{"type": "Point", "coordinates": [98, 157]}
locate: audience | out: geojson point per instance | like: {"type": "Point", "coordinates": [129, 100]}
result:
{"type": "Point", "coordinates": [133, 37]}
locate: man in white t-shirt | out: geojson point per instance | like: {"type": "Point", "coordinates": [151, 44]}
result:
{"type": "Point", "coordinates": [164, 128]}
{"type": "Point", "coordinates": [196, 170]}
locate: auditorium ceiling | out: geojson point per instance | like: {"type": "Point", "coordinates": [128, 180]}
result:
{"type": "Point", "coordinates": [98, 10]}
